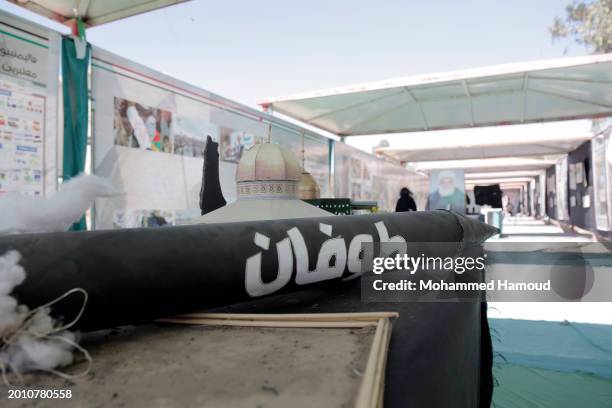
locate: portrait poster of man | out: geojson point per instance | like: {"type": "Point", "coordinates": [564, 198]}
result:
{"type": "Point", "coordinates": [235, 142]}
{"type": "Point", "coordinates": [142, 127]}
{"type": "Point", "coordinates": [446, 191]}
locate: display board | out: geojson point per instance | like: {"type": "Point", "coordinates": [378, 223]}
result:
{"type": "Point", "coordinates": [601, 179]}
{"type": "Point", "coordinates": [149, 132]}
{"type": "Point", "coordinates": [29, 64]}
{"type": "Point", "coordinates": [533, 193]}
{"type": "Point", "coordinates": [609, 176]}
{"type": "Point", "coordinates": [561, 172]}
{"type": "Point", "coordinates": [362, 176]}
{"type": "Point", "coordinates": [580, 169]}
{"type": "Point", "coordinates": [551, 194]}
{"type": "Point", "coordinates": [539, 194]}
{"type": "Point", "coordinates": [447, 190]}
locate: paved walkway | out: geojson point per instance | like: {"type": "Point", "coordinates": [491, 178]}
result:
{"type": "Point", "coordinates": [528, 229]}
{"type": "Point", "coordinates": [540, 233]}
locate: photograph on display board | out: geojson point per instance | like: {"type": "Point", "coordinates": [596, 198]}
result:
{"type": "Point", "coordinates": [572, 176]}
{"type": "Point", "coordinates": [586, 201]}
{"type": "Point", "coordinates": [561, 169]}
{"type": "Point", "coordinates": [142, 219]}
{"type": "Point", "coordinates": [580, 173]}
{"type": "Point", "coordinates": [235, 142]}
{"type": "Point", "coordinates": [189, 135]}
{"type": "Point", "coordinates": [142, 127]}
{"type": "Point", "coordinates": [600, 183]}
{"type": "Point", "coordinates": [186, 216]}
{"type": "Point", "coordinates": [446, 191]}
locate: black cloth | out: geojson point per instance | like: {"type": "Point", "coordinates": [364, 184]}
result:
{"type": "Point", "coordinates": [211, 197]}
{"type": "Point", "coordinates": [405, 203]}
{"type": "Point", "coordinates": [488, 195]}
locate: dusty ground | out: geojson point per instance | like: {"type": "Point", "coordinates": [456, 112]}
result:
{"type": "Point", "coordinates": [188, 366]}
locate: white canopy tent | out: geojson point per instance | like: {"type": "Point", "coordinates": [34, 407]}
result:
{"type": "Point", "coordinates": [503, 174]}
{"type": "Point", "coordinates": [492, 147]}
{"type": "Point", "coordinates": [506, 164]}
{"type": "Point", "coordinates": [502, 185]}
{"type": "Point", "coordinates": [531, 92]}
{"type": "Point", "coordinates": [92, 12]}
{"type": "Point", "coordinates": [496, 180]}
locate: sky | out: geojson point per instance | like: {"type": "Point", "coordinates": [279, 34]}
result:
{"type": "Point", "coordinates": [247, 50]}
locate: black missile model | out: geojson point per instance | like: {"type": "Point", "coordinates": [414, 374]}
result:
{"type": "Point", "coordinates": [136, 275]}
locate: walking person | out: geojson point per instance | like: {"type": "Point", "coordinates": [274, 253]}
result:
{"type": "Point", "coordinates": [405, 202]}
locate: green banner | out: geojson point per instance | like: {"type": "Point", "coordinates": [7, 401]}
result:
{"type": "Point", "coordinates": [76, 112]}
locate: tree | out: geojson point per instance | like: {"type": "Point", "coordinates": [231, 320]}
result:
{"type": "Point", "coordinates": [588, 22]}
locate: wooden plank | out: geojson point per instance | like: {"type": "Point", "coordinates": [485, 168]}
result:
{"type": "Point", "coordinates": [369, 316]}
{"type": "Point", "coordinates": [371, 390]}
{"type": "Point", "coordinates": [270, 323]}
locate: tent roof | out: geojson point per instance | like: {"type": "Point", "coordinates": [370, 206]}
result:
{"type": "Point", "coordinates": [503, 174]}
{"type": "Point", "coordinates": [541, 91]}
{"type": "Point", "coordinates": [490, 165]}
{"type": "Point", "coordinates": [502, 185]}
{"type": "Point", "coordinates": [93, 12]}
{"type": "Point", "coordinates": [492, 147]}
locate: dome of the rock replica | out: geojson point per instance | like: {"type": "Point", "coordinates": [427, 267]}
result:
{"type": "Point", "coordinates": [267, 180]}
{"type": "Point", "coordinates": [308, 189]}
{"type": "Point", "coordinates": [266, 171]}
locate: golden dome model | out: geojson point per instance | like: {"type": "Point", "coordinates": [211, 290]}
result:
{"type": "Point", "coordinates": [267, 183]}
{"type": "Point", "coordinates": [308, 188]}
{"type": "Point", "coordinates": [267, 171]}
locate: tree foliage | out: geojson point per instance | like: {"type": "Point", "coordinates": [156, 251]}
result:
{"type": "Point", "coordinates": [588, 22]}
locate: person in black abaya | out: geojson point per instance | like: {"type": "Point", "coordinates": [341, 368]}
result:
{"type": "Point", "coordinates": [405, 202]}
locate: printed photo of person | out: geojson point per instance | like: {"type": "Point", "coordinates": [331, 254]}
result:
{"type": "Point", "coordinates": [141, 127]}
{"type": "Point", "coordinates": [447, 191]}
{"type": "Point", "coordinates": [235, 142]}
{"type": "Point", "coordinates": [142, 219]}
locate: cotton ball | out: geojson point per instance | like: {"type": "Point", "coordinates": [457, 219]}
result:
{"type": "Point", "coordinates": [9, 316]}
{"type": "Point", "coordinates": [8, 304]}
{"type": "Point", "coordinates": [32, 353]}
{"type": "Point", "coordinates": [35, 342]}
{"type": "Point", "coordinates": [11, 273]}
{"type": "Point", "coordinates": [41, 322]}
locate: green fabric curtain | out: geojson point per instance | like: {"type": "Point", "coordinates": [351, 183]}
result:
{"type": "Point", "coordinates": [76, 113]}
